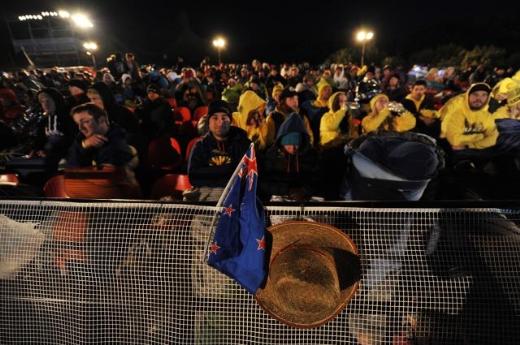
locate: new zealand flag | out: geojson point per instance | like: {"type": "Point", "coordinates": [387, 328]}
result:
{"type": "Point", "coordinates": [238, 247]}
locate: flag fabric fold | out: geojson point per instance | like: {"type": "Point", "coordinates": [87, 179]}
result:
{"type": "Point", "coordinates": [238, 245]}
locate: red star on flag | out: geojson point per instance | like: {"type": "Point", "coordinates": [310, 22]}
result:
{"type": "Point", "coordinates": [228, 210]}
{"type": "Point", "coordinates": [251, 168]}
{"type": "Point", "coordinates": [261, 243]}
{"type": "Point", "coordinates": [214, 247]}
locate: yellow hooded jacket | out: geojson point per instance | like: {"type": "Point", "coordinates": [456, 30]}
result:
{"type": "Point", "coordinates": [329, 124]}
{"type": "Point", "coordinates": [322, 85]}
{"type": "Point", "coordinates": [248, 102]}
{"type": "Point", "coordinates": [461, 126]}
{"type": "Point", "coordinates": [505, 86]}
{"type": "Point", "coordinates": [385, 120]}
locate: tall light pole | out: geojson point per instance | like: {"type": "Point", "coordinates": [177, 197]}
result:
{"type": "Point", "coordinates": [91, 47]}
{"type": "Point", "coordinates": [363, 37]}
{"type": "Point", "coordinates": [219, 43]}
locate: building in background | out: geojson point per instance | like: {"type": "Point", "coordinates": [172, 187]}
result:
{"type": "Point", "coordinates": [50, 38]}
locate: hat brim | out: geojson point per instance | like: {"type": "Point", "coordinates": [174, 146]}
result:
{"type": "Point", "coordinates": [314, 271]}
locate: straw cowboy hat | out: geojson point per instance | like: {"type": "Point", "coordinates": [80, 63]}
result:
{"type": "Point", "coordinates": [314, 271]}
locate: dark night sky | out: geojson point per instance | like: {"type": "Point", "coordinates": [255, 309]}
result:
{"type": "Point", "coordinates": [278, 32]}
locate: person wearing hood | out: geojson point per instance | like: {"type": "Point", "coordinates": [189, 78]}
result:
{"type": "Point", "coordinates": [422, 107]}
{"type": "Point", "coordinates": [467, 122]}
{"type": "Point", "coordinates": [78, 92]}
{"type": "Point", "coordinates": [341, 81]}
{"type": "Point", "coordinates": [273, 101]}
{"type": "Point", "coordinates": [100, 95]}
{"type": "Point", "coordinates": [315, 109]}
{"type": "Point", "coordinates": [214, 158]}
{"type": "Point", "coordinates": [500, 92]}
{"type": "Point", "coordinates": [387, 116]}
{"type": "Point", "coordinates": [251, 118]}
{"type": "Point", "coordinates": [57, 130]}
{"type": "Point", "coordinates": [156, 116]}
{"type": "Point", "coordinates": [289, 168]}
{"type": "Point", "coordinates": [287, 103]}
{"type": "Point", "coordinates": [336, 124]}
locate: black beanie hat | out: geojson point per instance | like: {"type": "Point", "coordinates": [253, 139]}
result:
{"type": "Point", "coordinates": [479, 87]}
{"type": "Point", "coordinates": [219, 106]}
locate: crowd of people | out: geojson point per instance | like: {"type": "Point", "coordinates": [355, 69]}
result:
{"type": "Point", "coordinates": [330, 132]}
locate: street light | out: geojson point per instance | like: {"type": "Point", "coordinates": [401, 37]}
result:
{"type": "Point", "coordinates": [91, 47]}
{"type": "Point", "coordinates": [219, 43]}
{"type": "Point", "coordinates": [363, 37]}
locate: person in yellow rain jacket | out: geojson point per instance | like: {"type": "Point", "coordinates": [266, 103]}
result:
{"type": "Point", "coordinates": [336, 124]}
{"type": "Point", "coordinates": [387, 116]}
{"type": "Point", "coordinates": [251, 118]}
{"type": "Point", "coordinates": [512, 108]}
{"type": "Point", "coordinates": [466, 120]}
{"type": "Point", "coordinates": [474, 133]}
{"type": "Point", "coordinates": [314, 109]}
{"type": "Point", "coordinates": [501, 91]}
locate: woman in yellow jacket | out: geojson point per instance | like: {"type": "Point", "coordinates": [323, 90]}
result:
{"type": "Point", "coordinates": [330, 130]}
{"type": "Point", "coordinates": [251, 118]}
{"type": "Point", "coordinates": [383, 117]}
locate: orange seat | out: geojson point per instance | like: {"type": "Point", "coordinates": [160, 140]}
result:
{"type": "Point", "coordinates": [55, 187]}
{"type": "Point", "coordinates": [9, 179]}
{"type": "Point", "coordinates": [200, 112]}
{"type": "Point", "coordinates": [176, 146]}
{"type": "Point", "coordinates": [106, 183]}
{"type": "Point", "coordinates": [184, 113]}
{"type": "Point", "coordinates": [171, 185]}
{"type": "Point", "coordinates": [190, 146]}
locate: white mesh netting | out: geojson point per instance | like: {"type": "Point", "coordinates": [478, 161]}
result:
{"type": "Point", "coordinates": [132, 273]}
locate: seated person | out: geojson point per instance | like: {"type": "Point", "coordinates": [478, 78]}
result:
{"type": "Point", "coordinates": [101, 143]}
{"type": "Point", "coordinates": [336, 125]}
{"type": "Point", "coordinates": [56, 130]}
{"type": "Point", "coordinates": [289, 168]}
{"type": "Point", "coordinates": [422, 107]}
{"type": "Point", "coordinates": [471, 130]}
{"type": "Point", "coordinates": [214, 158]}
{"type": "Point", "coordinates": [288, 104]}
{"type": "Point", "coordinates": [250, 116]}
{"type": "Point", "coordinates": [387, 116]}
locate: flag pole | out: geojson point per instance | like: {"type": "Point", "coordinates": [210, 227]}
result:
{"type": "Point", "coordinates": [219, 205]}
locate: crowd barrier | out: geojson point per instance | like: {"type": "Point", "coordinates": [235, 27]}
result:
{"type": "Point", "coordinates": [133, 273]}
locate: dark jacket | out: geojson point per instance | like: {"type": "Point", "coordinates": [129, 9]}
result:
{"type": "Point", "coordinates": [212, 162]}
{"type": "Point", "coordinates": [281, 173]}
{"type": "Point", "coordinates": [314, 114]}
{"type": "Point", "coordinates": [56, 131]}
{"type": "Point", "coordinates": [157, 119]}
{"type": "Point", "coordinates": [115, 152]}
{"type": "Point", "coordinates": [426, 106]}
